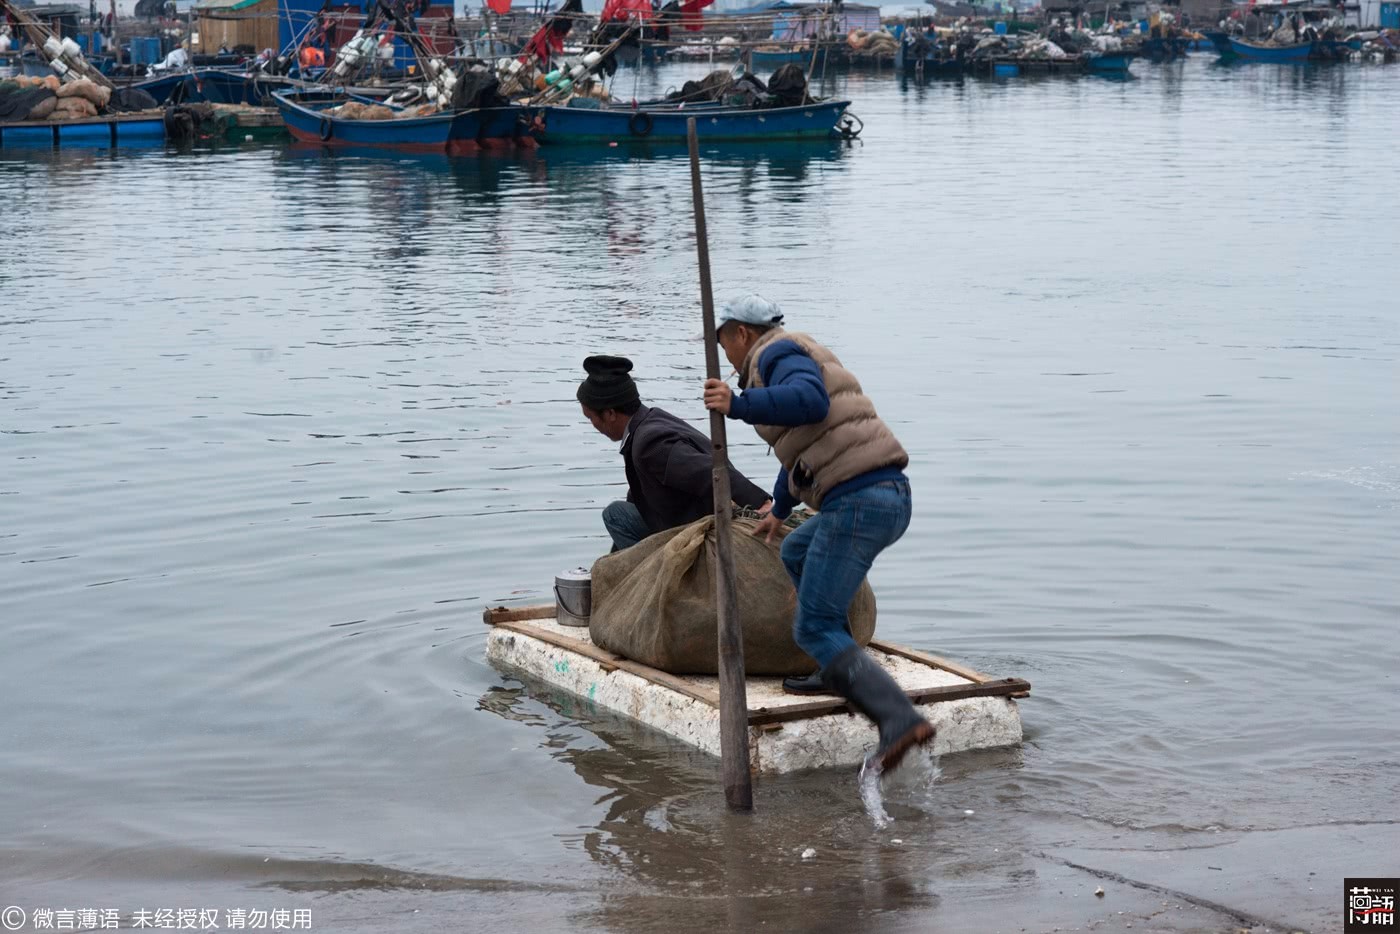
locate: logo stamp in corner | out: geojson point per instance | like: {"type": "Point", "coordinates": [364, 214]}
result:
{"type": "Point", "coordinates": [1370, 905]}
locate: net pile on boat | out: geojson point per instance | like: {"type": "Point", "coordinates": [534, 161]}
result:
{"type": "Point", "coordinates": [878, 42]}
{"type": "Point", "coordinates": [356, 110]}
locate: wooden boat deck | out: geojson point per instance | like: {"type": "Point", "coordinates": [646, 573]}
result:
{"type": "Point", "coordinates": [970, 709]}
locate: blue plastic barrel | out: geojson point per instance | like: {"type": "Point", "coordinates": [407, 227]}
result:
{"type": "Point", "coordinates": [145, 50]}
{"type": "Point", "coordinates": [999, 28]}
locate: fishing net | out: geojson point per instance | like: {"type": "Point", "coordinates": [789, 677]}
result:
{"type": "Point", "coordinates": [476, 89]}
{"type": "Point", "coordinates": [34, 103]}
{"type": "Point", "coordinates": [45, 108]}
{"type": "Point", "coordinates": [126, 100]}
{"type": "Point", "coordinates": [655, 602]}
{"type": "Point", "coordinates": [187, 122]}
{"type": "Point", "coordinates": [788, 86]}
{"type": "Point", "coordinates": [712, 87]}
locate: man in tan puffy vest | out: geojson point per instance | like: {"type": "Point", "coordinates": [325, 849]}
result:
{"type": "Point", "coordinates": [837, 457]}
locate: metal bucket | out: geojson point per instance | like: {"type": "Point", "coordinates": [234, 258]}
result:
{"type": "Point", "coordinates": [573, 597]}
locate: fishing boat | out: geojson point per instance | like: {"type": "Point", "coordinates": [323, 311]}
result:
{"type": "Point", "coordinates": [769, 59]}
{"type": "Point", "coordinates": [1110, 63]}
{"type": "Point", "coordinates": [786, 733]}
{"type": "Point", "coordinates": [1220, 41]}
{"type": "Point", "coordinates": [1160, 49]}
{"type": "Point", "coordinates": [308, 118]}
{"type": "Point", "coordinates": [1334, 50]}
{"type": "Point", "coordinates": [932, 66]}
{"type": "Point", "coordinates": [667, 123]}
{"type": "Point", "coordinates": [225, 86]}
{"type": "Point", "coordinates": [219, 86]}
{"type": "Point", "coordinates": [1010, 66]}
{"type": "Point", "coordinates": [931, 63]}
{"type": "Point", "coordinates": [136, 129]}
{"type": "Point", "coordinates": [1280, 54]}
{"type": "Point", "coordinates": [177, 87]}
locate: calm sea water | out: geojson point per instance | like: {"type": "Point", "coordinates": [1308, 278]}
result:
{"type": "Point", "coordinates": [278, 423]}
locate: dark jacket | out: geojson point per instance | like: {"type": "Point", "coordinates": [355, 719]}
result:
{"type": "Point", "coordinates": [668, 472]}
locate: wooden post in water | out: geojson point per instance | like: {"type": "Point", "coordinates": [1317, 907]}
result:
{"type": "Point", "coordinates": [733, 697]}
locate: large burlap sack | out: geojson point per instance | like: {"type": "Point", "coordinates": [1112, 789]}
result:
{"type": "Point", "coordinates": [44, 109]}
{"type": "Point", "coordinates": [655, 603]}
{"type": "Point", "coordinates": [73, 88]}
{"type": "Point", "coordinates": [88, 90]}
{"type": "Point", "coordinates": [74, 108]}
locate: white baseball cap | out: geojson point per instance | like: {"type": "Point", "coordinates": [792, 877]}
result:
{"type": "Point", "coordinates": [749, 309]}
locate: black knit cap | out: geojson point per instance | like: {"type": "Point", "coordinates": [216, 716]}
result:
{"type": "Point", "coordinates": [608, 385]}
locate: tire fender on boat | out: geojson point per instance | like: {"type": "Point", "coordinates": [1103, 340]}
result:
{"type": "Point", "coordinates": [640, 124]}
{"type": "Point", "coordinates": [325, 128]}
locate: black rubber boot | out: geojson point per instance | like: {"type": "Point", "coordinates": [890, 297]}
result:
{"type": "Point", "coordinates": [870, 689]}
{"type": "Point", "coordinates": [806, 684]}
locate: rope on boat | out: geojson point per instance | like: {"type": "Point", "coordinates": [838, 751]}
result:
{"type": "Point", "coordinates": [850, 126]}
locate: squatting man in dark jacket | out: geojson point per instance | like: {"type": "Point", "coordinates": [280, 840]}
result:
{"type": "Point", "coordinates": [837, 457]}
{"type": "Point", "coordinates": [667, 461]}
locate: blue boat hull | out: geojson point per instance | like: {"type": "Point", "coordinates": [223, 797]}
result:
{"type": "Point", "coordinates": [1111, 63]}
{"type": "Point", "coordinates": [464, 132]}
{"type": "Point", "coordinates": [231, 87]}
{"type": "Point", "coordinates": [176, 88]}
{"type": "Point", "coordinates": [99, 132]}
{"type": "Point", "coordinates": [306, 119]}
{"type": "Point", "coordinates": [1283, 55]}
{"type": "Point", "coordinates": [568, 125]}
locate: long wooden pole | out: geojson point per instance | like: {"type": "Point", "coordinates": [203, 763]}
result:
{"type": "Point", "coordinates": [733, 698]}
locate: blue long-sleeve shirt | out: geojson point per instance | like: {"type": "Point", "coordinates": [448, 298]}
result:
{"type": "Point", "coordinates": [793, 393]}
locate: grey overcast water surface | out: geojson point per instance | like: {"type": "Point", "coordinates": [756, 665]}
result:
{"type": "Point", "coordinates": [277, 424]}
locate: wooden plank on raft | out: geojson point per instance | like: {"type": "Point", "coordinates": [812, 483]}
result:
{"type": "Point", "coordinates": [517, 619]}
{"type": "Point", "coordinates": [933, 661]}
{"type": "Point", "coordinates": [1006, 687]}
{"type": "Point", "coordinates": [495, 615]}
{"type": "Point", "coordinates": [610, 660]}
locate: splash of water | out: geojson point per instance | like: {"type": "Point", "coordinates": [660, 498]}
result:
{"type": "Point", "coordinates": [871, 794]}
{"type": "Point", "coordinates": [920, 763]}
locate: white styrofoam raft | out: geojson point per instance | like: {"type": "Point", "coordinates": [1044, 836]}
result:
{"type": "Point", "coordinates": [831, 740]}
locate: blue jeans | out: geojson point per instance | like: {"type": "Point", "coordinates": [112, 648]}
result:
{"type": "Point", "coordinates": [624, 523]}
{"type": "Point", "coordinates": [829, 555]}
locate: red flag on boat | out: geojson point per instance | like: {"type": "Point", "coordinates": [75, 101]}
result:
{"type": "Point", "coordinates": [690, 14]}
{"type": "Point", "coordinates": [626, 9]}
{"type": "Point", "coordinates": [549, 39]}
{"type": "Point", "coordinates": [501, 7]}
